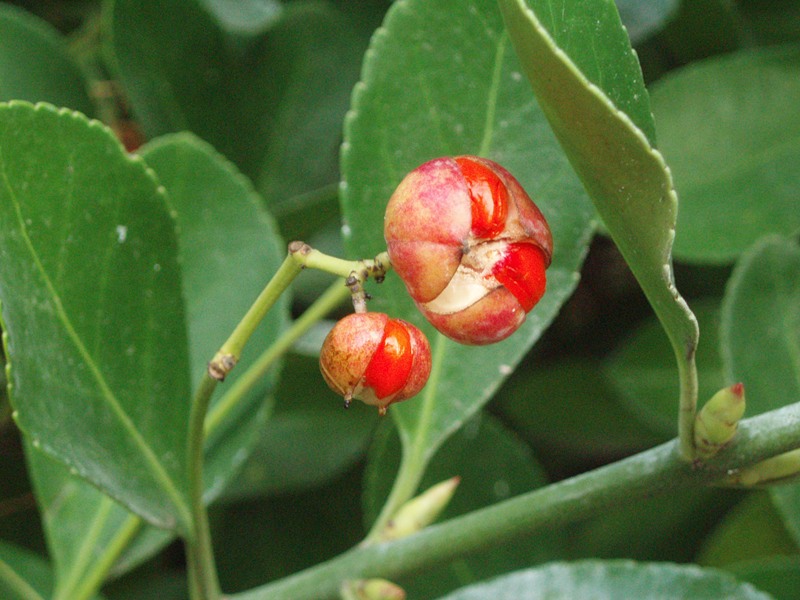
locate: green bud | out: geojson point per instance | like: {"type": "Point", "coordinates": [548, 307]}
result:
{"type": "Point", "coordinates": [773, 470]}
{"type": "Point", "coordinates": [421, 511]}
{"type": "Point", "coordinates": [371, 589]}
{"type": "Point", "coordinates": [716, 423]}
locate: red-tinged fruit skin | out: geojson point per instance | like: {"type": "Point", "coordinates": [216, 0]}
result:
{"type": "Point", "coordinates": [427, 220]}
{"type": "Point", "coordinates": [470, 245]}
{"type": "Point", "coordinates": [390, 365]}
{"type": "Point", "coordinates": [348, 348]}
{"type": "Point", "coordinates": [375, 359]}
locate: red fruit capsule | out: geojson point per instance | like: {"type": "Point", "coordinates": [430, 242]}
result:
{"type": "Point", "coordinates": [470, 245]}
{"type": "Point", "coordinates": [488, 196]}
{"type": "Point", "coordinates": [375, 359]}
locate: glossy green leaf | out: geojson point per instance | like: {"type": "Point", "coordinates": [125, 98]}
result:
{"type": "Point", "coordinates": [493, 465]}
{"type": "Point", "coordinates": [762, 303]}
{"type": "Point", "coordinates": [612, 579]}
{"type": "Point", "coordinates": [569, 411]}
{"type": "Point", "coordinates": [230, 249]}
{"type": "Point", "coordinates": [676, 524]}
{"type": "Point", "coordinates": [779, 576]}
{"type": "Point", "coordinates": [90, 534]}
{"type": "Point", "coordinates": [752, 529]}
{"type": "Point", "coordinates": [35, 63]}
{"type": "Point", "coordinates": [787, 501]}
{"type": "Point", "coordinates": [86, 530]}
{"type": "Point", "coordinates": [597, 111]}
{"type": "Point", "coordinates": [274, 107]}
{"type": "Point", "coordinates": [308, 440]}
{"type": "Point", "coordinates": [430, 89]}
{"type": "Point", "coordinates": [644, 378]}
{"type": "Point", "coordinates": [730, 130]}
{"type": "Point", "coordinates": [92, 308]}
{"type": "Point", "coordinates": [592, 36]}
{"type": "Point", "coordinates": [23, 574]}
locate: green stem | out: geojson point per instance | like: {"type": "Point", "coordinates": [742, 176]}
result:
{"type": "Point", "coordinates": [409, 475]}
{"type": "Point", "coordinates": [230, 352]}
{"type": "Point", "coordinates": [301, 256]}
{"type": "Point", "coordinates": [199, 549]}
{"type": "Point", "coordinates": [21, 588]}
{"type": "Point", "coordinates": [687, 405]}
{"type": "Point", "coordinates": [654, 471]}
{"type": "Point", "coordinates": [87, 572]}
{"type": "Point", "coordinates": [328, 301]}
{"type": "Point", "coordinates": [94, 578]}
{"type": "Point", "coordinates": [416, 452]}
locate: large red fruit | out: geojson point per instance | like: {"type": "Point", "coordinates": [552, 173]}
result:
{"type": "Point", "coordinates": [470, 245]}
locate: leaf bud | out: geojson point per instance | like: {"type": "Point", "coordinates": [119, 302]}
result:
{"type": "Point", "coordinates": [716, 423]}
{"type": "Point", "coordinates": [421, 511]}
{"type": "Point", "coordinates": [371, 589]}
{"type": "Point", "coordinates": [777, 469]}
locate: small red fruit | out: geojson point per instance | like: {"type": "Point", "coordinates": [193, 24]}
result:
{"type": "Point", "coordinates": [470, 245]}
{"type": "Point", "coordinates": [375, 359]}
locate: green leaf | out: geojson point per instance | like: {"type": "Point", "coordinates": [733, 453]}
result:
{"type": "Point", "coordinates": [730, 130]}
{"type": "Point", "coordinates": [86, 530]}
{"type": "Point", "coordinates": [776, 575]}
{"type": "Point", "coordinates": [592, 36]}
{"type": "Point", "coordinates": [762, 303]}
{"type": "Point", "coordinates": [92, 309]}
{"type": "Point", "coordinates": [612, 579]}
{"type": "Point", "coordinates": [274, 107]}
{"type": "Point", "coordinates": [569, 411]}
{"type": "Point", "coordinates": [35, 63]}
{"type": "Point", "coordinates": [89, 534]}
{"type": "Point", "coordinates": [308, 440]}
{"type": "Point", "coordinates": [787, 501]}
{"type": "Point", "coordinates": [752, 529]}
{"type": "Point", "coordinates": [430, 89]}
{"type": "Point", "coordinates": [598, 116]}
{"type": "Point", "coordinates": [23, 574]}
{"type": "Point", "coordinates": [640, 371]}
{"type": "Point", "coordinates": [493, 465]}
{"type": "Point", "coordinates": [677, 523]}
{"type": "Point", "coordinates": [230, 249]}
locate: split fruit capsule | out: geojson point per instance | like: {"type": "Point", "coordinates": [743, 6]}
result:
{"type": "Point", "coordinates": [470, 245]}
{"type": "Point", "coordinates": [375, 359]}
